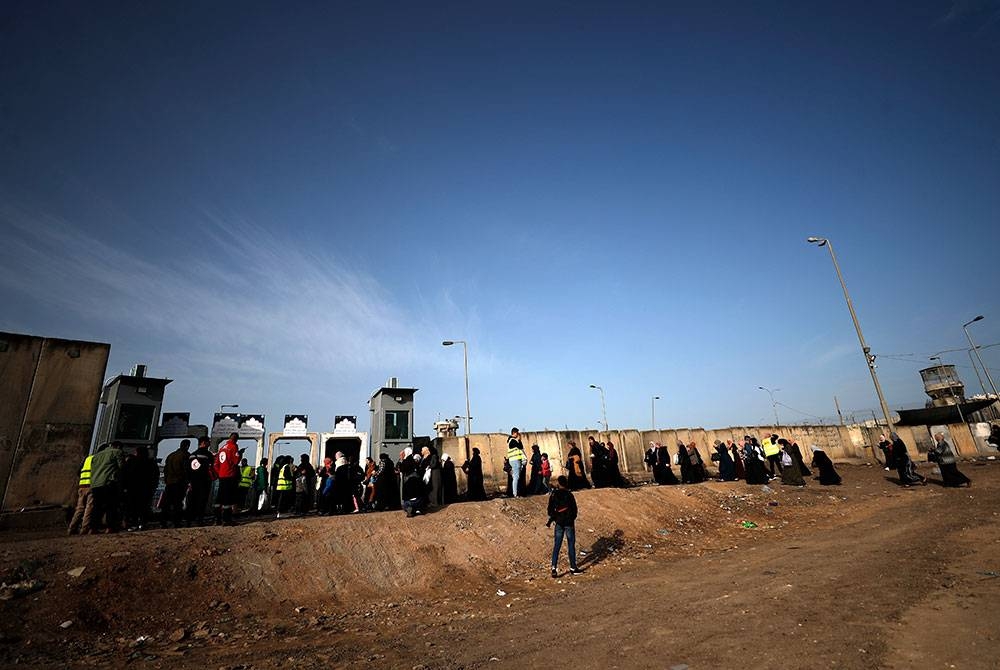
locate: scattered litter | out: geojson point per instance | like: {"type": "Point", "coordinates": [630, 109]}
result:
{"type": "Point", "coordinates": [178, 635]}
{"type": "Point", "coordinates": [679, 666]}
{"type": "Point", "coordinates": [75, 572]}
{"type": "Point", "coordinates": [647, 546]}
{"type": "Point", "coordinates": [20, 589]}
{"type": "Point", "coordinates": [773, 503]}
{"type": "Point", "coordinates": [121, 554]}
{"type": "Point", "coordinates": [141, 640]}
{"type": "Point", "coordinates": [748, 524]}
{"type": "Point", "coordinates": [501, 593]}
{"type": "Point", "coordinates": [66, 624]}
{"type": "Point", "coordinates": [766, 489]}
{"type": "Point", "coordinates": [300, 610]}
{"type": "Point", "coordinates": [493, 658]}
{"type": "Point", "coordinates": [990, 574]}
{"type": "Point", "coordinates": [663, 531]}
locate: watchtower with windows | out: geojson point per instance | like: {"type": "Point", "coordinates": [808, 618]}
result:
{"type": "Point", "coordinates": [392, 419]}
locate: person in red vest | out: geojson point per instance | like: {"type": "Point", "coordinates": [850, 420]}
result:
{"type": "Point", "coordinates": [227, 469]}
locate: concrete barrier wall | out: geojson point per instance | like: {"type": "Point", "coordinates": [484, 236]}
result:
{"type": "Point", "coordinates": [841, 443]}
{"type": "Point", "coordinates": [48, 405]}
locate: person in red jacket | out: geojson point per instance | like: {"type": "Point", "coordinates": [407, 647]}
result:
{"type": "Point", "coordinates": [227, 469]}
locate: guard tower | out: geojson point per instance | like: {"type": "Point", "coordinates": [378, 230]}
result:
{"type": "Point", "coordinates": [392, 419]}
{"type": "Point", "coordinates": [130, 410]}
{"type": "Point", "coordinates": [943, 385]}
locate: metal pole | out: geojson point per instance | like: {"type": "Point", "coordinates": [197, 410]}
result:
{"type": "Point", "coordinates": [865, 349]}
{"type": "Point", "coordinates": [978, 376]}
{"type": "Point", "coordinates": [468, 410]}
{"type": "Point", "coordinates": [839, 413]}
{"type": "Point", "coordinates": [652, 409]}
{"type": "Point", "coordinates": [972, 344]}
{"type": "Point", "coordinates": [774, 406]}
{"type": "Point", "coordinates": [604, 410]}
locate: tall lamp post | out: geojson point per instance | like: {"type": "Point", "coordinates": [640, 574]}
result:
{"type": "Point", "coordinates": [774, 405]}
{"type": "Point", "coordinates": [604, 411]}
{"type": "Point", "coordinates": [866, 350]}
{"type": "Point", "coordinates": [222, 408]}
{"type": "Point", "coordinates": [465, 356]}
{"type": "Point", "coordinates": [652, 410]}
{"type": "Point", "coordinates": [972, 344]}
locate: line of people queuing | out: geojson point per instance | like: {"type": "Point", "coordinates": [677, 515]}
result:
{"type": "Point", "coordinates": [756, 462]}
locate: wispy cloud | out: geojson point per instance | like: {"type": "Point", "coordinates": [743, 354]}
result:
{"type": "Point", "coordinates": [249, 303]}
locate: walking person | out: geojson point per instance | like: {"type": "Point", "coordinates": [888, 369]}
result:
{"type": "Point", "coordinates": [562, 512]}
{"type": "Point", "coordinates": [246, 485]}
{"type": "Point", "coordinates": [790, 473]}
{"type": "Point", "coordinates": [536, 482]}
{"type": "Point", "coordinates": [698, 473]}
{"type": "Point", "coordinates": [663, 474]}
{"type": "Point", "coordinates": [516, 458]}
{"type": "Point", "coordinates": [473, 469]}
{"type": "Point", "coordinates": [261, 488]}
{"type": "Point", "coordinates": [227, 469]}
{"type": "Point", "coordinates": [727, 469]}
{"type": "Point", "coordinates": [754, 462]}
{"type": "Point", "coordinates": [683, 460]}
{"type": "Point", "coordinates": [84, 511]}
{"type": "Point", "coordinates": [905, 468]}
{"type": "Point", "coordinates": [431, 462]}
{"type": "Point", "coordinates": [734, 451]}
{"type": "Point", "coordinates": [827, 474]}
{"type": "Point", "coordinates": [772, 452]}
{"type": "Point", "coordinates": [943, 455]}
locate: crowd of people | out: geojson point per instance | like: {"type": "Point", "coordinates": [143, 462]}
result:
{"type": "Point", "coordinates": [116, 491]}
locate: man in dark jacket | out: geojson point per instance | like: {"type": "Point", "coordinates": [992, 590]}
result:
{"type": "Point", "coordinates": [200, 479]}
{"type": "Point", "coordinates": [175, 479]}
{"type": "Point", "coordinates": [562, 512]}
{"type": "Point", "coordinates": [140, 475]}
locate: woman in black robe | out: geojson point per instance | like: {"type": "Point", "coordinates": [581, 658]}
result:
{"type": "Point", "coordinates": [386, 484]}
{"type": "Point", "coordinates": [727, 469]}
{"type": "Point", "coordinates": [684, 461]}
{"type": "Point", "coordinates": [449, 483]}
{"type": "Point", "coordinates": [797, 455]}
{"type": "Point", "coordinates": [663, 474]}
{"type": "Point", "coordinates": [473, 469]}
{"type": "Point", "coordinates": [943, 455]}
{"type": "Point", "coordinates": [908, 475]}
{"type": "Point", "coordinates": [574, 466]}
{"type": "Point", "coordinates": [790, 473]}
{"type": "Point", "coordinates": [741, 471]}
{"type": "Point", "coordinates": [827, 475]}
{"type": "Point", "coordinates": [536, 483]}
{"type": "Point", "coordinates": [754, 462]}
{"type": "Point", "coordinates": [698, 472]}
{"type": "Point", "coordinates": [600, 464]}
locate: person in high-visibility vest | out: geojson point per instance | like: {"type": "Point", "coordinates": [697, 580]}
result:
{"type": "Point", "coordinates": [246, 482]}
{"type": "Point", "coordinates": [283, 490]}
{"type": "Point", "coordinates": [84, 499]}
{"type": "Point", "coordinates": [772, 451]}
{"type": "Point", "coordinates": [516, 458]}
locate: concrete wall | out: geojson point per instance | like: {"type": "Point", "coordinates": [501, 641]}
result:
{"type": "Point", "coordinates": [48, 403]}
{"type": "Point", "coordinates": [839, 442]}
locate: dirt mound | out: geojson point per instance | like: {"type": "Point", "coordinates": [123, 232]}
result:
{"type": "Point", "coordinates": [224, 585]}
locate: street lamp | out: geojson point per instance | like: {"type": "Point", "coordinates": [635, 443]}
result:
{"type": "Point", "coordinates": [465, 356]}
{"type": "Point", "coordinates": [972, 344]}
{"type": "Point", "coordinates": [604, 411]}
{"type": "Point", "coordinates": [975, 367]}
{"type": "Point", "coordinates": [652, 409]}
{"type": "Point", "coordinates": [865, 349]}
{"type": "Point", "coordinates": [222, 408]}
{"type": "Point", "coordinates": [774, 405]}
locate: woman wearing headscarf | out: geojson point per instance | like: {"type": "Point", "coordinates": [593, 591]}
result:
{"type": "Point", "coordinates": [536, 484]}
{"type": "Point", "coordinates": [473, 469]}
{"type": "Point", "coordinates": [600, 465]}
{"type": "Point", "coordinates": [449, 483]}
{"type": "Point", "coordinates": [325, 474]}
{"type": "Point", "coordinates": [698, 473]}
{"type": "Point", "coordinates": [797, 455]}
{"type": "Point", "coordinates": [907, 471]}
{"type": "Point", "coordinates": [754, 462]}
{"type": "Point", "coordinates": [684, 461]}
{"type": "Point", "coordinates": [386, 487]}
{"type": "Point", "coordinates": [945, 458]}
{"type": "Point", "coordinates": [662, 472]}
{"type": "Point", "coordinates": [827, 475]}
{"type": "Point", "coordinates": [790, 473]}
{"type": "Point", "coordinates": [734, 452]}
{"type": "Point", "coordinates": [727, 469]}
{"type": "Point", "coordinates": [343, 495]}
{"type": "Point", "coordinates": [574, 466]}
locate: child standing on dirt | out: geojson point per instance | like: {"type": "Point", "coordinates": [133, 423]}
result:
{"type": "Point", "coordinates": [562, 512]}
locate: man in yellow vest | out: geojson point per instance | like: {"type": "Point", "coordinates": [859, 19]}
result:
{"type": "Point", "coordinates": [516, 457]}
{"type": "Point", "coordinates": [246, 482]}
{"type": "Point", "coordinates": [283, 491]}
{"type": "Point", "coordinates": [772, 450]}
{"type": "Point", "coordinates": [84, 499]}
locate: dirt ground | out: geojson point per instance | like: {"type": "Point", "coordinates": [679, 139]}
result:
{"type": "Point", "coordinates": [865, 575]}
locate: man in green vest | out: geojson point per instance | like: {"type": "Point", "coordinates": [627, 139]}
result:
{"type": "Point", "coordinates": [772, 450]}
{"type": "Point", "coordinates": [283, 491]}
{"type": "Point", "coordinates": [516, 457]}
{"type": "Point", "coordinates": [246, 483]}
{"type": "Point", "coordinates": [84, 498]}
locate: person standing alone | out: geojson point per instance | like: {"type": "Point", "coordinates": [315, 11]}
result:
{"type": "Point", "coordinates": [516, 458]}
{"type": "Point", "coordinates": [562, 513]}
{"type": "Point", "coordinates": [175, 480]}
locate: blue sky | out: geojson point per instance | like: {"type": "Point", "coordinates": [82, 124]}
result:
{"type": "Point", "coordinates": [281, 206]}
